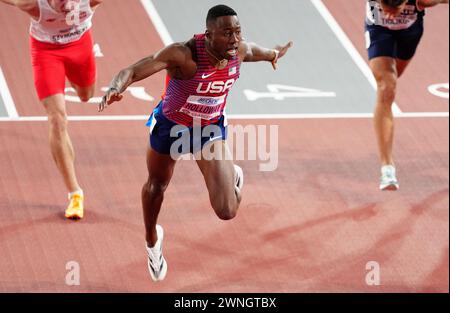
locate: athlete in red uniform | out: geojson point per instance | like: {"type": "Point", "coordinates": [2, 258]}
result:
{"type": "Point", "coordinates": [202, 71]}
{"type": "Point", "coordinates": [61, 46]}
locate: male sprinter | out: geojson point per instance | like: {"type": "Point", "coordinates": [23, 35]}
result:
{"type": "Point", "coordinates": [201, 72]}
{"type": "Point", "coordinates": [393, 32]}
{"type": "Point", "coordinates": [61, 45]}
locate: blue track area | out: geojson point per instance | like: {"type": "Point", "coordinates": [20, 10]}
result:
{"type": "Point", "coordinates": [3, 112]}
{"type": "Point", "coordinates": [316, 76]}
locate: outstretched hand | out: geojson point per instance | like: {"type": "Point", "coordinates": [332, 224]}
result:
{"type": "Point", "coordinates": [111, 95]}
{"type": "Point", "coordinates": [282, 50]}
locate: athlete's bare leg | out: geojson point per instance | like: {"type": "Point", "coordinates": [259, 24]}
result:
{"type": "Point", "coordinates": [84, 93]}
{"type": "Point", "coordinates": [160, 170]}
{"type": "Point", "coordinates": [401, 66]}
{"type": "Point", "coordinates": [385, 72]}
{"type": "Point", "coordinates": [220, 180]}
{"type": "Point", "coordinates": [60, 143]}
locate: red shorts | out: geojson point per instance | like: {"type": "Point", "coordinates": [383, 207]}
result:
{"type": "Point", "coordinates": [53, 62]}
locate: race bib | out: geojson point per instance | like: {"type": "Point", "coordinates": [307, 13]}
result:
{"type": "Point", "coordinates": [376, 16]}
{"type": "Point", "coordinates": [202, 107]}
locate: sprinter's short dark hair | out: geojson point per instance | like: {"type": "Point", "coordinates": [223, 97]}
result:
{"type": "Point", "coordinates": [218, 11]}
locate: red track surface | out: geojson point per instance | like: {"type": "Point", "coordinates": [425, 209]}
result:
{"type": "Point", "coordinates": [310, 226]}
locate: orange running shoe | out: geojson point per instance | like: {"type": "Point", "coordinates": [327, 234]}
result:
{"type": "Point", "coordinates": [75, 210]}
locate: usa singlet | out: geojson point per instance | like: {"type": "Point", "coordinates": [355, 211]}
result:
{"type": "Point", "coordinates": [205, 95]}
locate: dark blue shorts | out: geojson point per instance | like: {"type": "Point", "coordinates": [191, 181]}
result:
{"type": "Point", "coordinates": [397, 44]}
{"type": "Point", "coordinates": [166, 135]}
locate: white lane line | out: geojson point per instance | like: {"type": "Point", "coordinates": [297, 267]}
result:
{"type": "Point", "coordinates": [6, 97]}
{"type": "Point", "coordinates": [232, 117]}
{"type": "Point", "coordinates": [332, 115]}
{"type": "Point", "coordinates": [157, 22]}
{"type": "Point", "coordinates": [79, 118]}
{"type": "Point", "coordinates": [348, 45]}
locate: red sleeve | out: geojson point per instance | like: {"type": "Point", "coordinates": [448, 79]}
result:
{"type": "Point", "coordinates": [165, 88]}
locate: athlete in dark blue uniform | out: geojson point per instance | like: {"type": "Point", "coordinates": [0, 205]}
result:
{"type": "Point", "coordinates": [393, 32]}
{"type": "Point", "coordinates": [396, 37]}
{"type": "Point", "coordinates": [201, 71]}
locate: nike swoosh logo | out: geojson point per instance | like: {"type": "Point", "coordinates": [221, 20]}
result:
{"type": "Point", "coordinates": [204, 76]}
{"type": "Point", "coordinates": [215, 138]}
